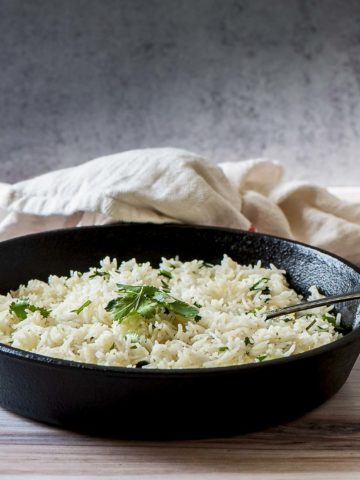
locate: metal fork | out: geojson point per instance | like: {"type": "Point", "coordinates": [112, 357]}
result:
{"type": "Point", "coordinates": [313, 304]}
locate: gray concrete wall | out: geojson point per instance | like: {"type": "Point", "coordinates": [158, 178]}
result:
{"type": "Point", "coordinates": [225, 78]}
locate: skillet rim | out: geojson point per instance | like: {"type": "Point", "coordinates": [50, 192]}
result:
{"type": "Point", "coordinates": [44, 360]}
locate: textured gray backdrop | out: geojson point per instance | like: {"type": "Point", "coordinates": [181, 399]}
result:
{"type": "Point", "coordinates": [228, 79]}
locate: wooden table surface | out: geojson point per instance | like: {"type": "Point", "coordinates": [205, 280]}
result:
{"type": "Point", "coordinates": [323, 444]}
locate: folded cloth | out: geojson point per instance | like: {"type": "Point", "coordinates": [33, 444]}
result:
{"type": "Point", "coordinates": [171, 185]}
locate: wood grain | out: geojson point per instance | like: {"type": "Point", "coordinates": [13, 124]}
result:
{"type": "Point", "coordinates": [324, 443]}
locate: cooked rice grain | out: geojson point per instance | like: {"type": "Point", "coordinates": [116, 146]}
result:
{"type": "Point", "coordinates": [231, 331]}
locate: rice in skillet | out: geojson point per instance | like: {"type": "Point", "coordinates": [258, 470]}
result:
{"type": "Point", "coordinates": [88, 318]}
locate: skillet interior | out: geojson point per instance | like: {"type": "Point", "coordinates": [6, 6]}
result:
{"type": "Point", "coordinates": [71, 396]}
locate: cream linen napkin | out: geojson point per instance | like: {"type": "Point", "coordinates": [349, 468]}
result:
{"type": "Point", "coordinates": [171, 185]}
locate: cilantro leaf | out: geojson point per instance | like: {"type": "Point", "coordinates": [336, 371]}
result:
{"type": "Point", "coordinates": [310, 325]}
{"type": "Point", "coordinates": [19, 308]}
{"type": "Point", "coordinates": [136, 288]}
{"type": "Point", "coordinates": [248, 341]}
{"type": "Point", "coordinates": [261, 358]}
{"type": "Point", "coordinates": [146, 301]}
{"type": "Point", "coordinates": [100, 273]}
{"type": "Point", "coordinates": [81, 308]}
{"type": "Point", "coordinates": [165, 273]}
{"type": "Point", "coordinates": [223, 349]}
{"type": "Point", "coordinates": [165, 286]}
{"type": "Point", "coordinates": [206, 264]}
{"type": "Point", "coordinates": [258, 285]}
{"type": "Point", "coordinates": [22, 305]}
{"type": "Point", "coordinates": [287, 319]}
{"type": "Point", "coordinates": [121, 307]}
{"type": "Point", "coordinates": [332, 320]}
{"type": "Point", "coordinates": [147, 308]}
{"type": "Point", "coordinates": [183, 309]}
{"type": "Point", "coordinates": [265, 291]}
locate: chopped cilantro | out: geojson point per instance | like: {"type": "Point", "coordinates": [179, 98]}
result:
{"type": "Point", "coordinates": [260, 286]}
{"type": "Point", "coordinates": [254, 310]}
{"type": "Point", "coordinates": [329, 318]}
{"type": "Point", "coordinates": [146, 301]}
{"type": "Point", "coordinates": [223, 349]}
{"type": "Point", "coordinates": [332, 320]}
{"type": "Point", "coordinates": [261, 358]}
{"type": "Point", "coordinates": [248, 341]}
{"type": "Point", "coordinates": [165, 286]}
{"type": "Point", "coordinates": [165, 273]}
{"type": "Point", "coordinates": [81, 308]}
{"type": "Point", "coordinates": [310, 325]}
{"type": "Point", "coordinates": [257, 285]}
{"type": "Point", "coordinates": [22, 305]}
{"type": "Point", "coordinates": [100, 273]}
{"type": "Point", "coordinates": [206, 264]}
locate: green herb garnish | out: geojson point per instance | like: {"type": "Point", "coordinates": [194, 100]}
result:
{"type": "Point", "coordinates": [206, 264]}
{"type": "Point", "coordinates": [260, 287]}
{"type": "Point", "coordinates": [310, 325]}
{"type": "Point", "coordinates": [146, 301]}
{"type": "Point", "coordinates": [100, 273]}
{"type": "Point", "coordinates": [329, 318]}
{"type": "Point", "coordinates": [223, 349]}
{"type": "Point", "coordinates": [332, 320]}
{"type": "Point", "coordinates": [248, 341]}
{"type": "Point", "coordinates": [254, 310]}
{"type": "Point", "coordinates": [22, 305]}
{"type": "Point", "coordinates": [257, 285]}
{"type": "Point", "coordinates": [261, 358]}
{"type": "Point", "coordinates": [165, 273]}
{"type": "Point", "coordinates": [165, 286]}
{"type": "Point", "coordinates": [81, 308]}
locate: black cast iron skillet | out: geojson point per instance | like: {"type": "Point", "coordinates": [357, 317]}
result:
{"type": "Point", "coordinates": [143, 403]}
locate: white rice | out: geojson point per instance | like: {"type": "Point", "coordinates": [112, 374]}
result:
{"type": "Point", "coordinates": [232, 329]}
